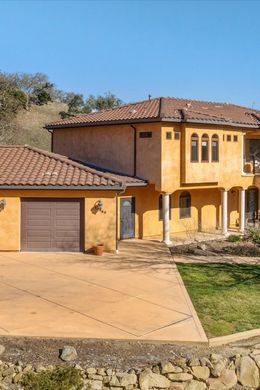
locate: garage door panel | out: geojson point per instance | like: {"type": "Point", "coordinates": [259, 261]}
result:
{"type": "Point", "coordinates": [51, 225]}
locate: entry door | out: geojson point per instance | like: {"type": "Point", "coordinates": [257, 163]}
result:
{"type": "Point", "coordinates": [252, 204]}
{"type": "Point", "coordinates": [127, 218]}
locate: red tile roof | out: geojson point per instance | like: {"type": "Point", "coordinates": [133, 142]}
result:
{"type": "Point", "coordinates": [25, 166]}
{"type": "Point", "coordinates": [167, 109]}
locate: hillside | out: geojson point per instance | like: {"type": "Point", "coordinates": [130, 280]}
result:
{"type": "Point", "coordinates": [28, 125]}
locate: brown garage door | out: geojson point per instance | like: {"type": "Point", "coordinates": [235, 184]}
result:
{"type": "Point", "coordinates": [51, 225]}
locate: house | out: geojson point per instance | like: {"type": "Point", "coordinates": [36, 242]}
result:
{"type": "Point", "coordinates": [143, 170]}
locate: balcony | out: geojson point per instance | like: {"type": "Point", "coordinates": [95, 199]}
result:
{"type": "Point", "coordinates": [252, 156]}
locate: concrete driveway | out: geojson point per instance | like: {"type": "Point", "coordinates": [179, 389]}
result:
{"type": "Point", "coordinates": [137, 294]}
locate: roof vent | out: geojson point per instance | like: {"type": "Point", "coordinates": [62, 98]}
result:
{"type": "Point", "coordinates": [188, 105]}
{"type": "Point", "coordinates": [133, 111]}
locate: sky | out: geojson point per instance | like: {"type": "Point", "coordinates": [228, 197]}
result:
{"type": "Point", "coordinates": [207, 50]}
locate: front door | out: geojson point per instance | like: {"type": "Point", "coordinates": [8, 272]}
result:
{"type": "Point", "coordinates": [127, 218]}
{"type": "Point", "coordinates": [252, 205]}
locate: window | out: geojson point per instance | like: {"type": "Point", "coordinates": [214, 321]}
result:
{"type": "Point", "coordinates": [235, 138]}
{"type": "Point", "coordinates": [168, 135]}
{"type": "Point", "coordinates": [205, 148]}
{"type": "Point", "coordinates": [177, 135]}
{"type": "Point", "coordinates": [194, 148]}
{"type": "Point", "coordinates": [214, 148]}
{"type": "Point", "coordinates": [161, 208]}
{"type": "Point", "coordinates": [145, 134]}
{"type": "Point", "coordinates": [229, 137]}
{"type": "Point", "coordinates": [223, 137]}
{"type": "Point", "coordinates": [185, 205]}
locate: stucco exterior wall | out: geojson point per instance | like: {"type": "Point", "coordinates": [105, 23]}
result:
{"type": "Point", "coordinates": [98, 228]}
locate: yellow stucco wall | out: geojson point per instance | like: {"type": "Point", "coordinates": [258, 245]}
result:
{"type": "Point", "coordinates": [99, 227]}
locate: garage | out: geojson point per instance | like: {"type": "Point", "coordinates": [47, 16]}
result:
{"type": "Point", "coordinates": [51, 225]}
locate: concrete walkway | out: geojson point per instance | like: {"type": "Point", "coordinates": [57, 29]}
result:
{"type": "Point", "coordinates": [137, 294]}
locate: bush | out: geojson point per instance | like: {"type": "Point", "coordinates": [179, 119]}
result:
{"type": "Point", "coordinates": [233, 238]}
{"type": "Point", "coordinates": [60, 378]}
{"type": "Point", "coordinates": [254, 235]}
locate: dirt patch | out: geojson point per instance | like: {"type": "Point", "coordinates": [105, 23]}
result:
{"type": "Point", "coordinates": [217, 248]}
{"type": "Point", "coordinates": [109, 354]}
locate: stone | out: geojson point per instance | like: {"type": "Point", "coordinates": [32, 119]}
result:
{"type": "Point", "coordinates": [214, 357]}
{"type": "Point", "coordinates": [128, 379]}
{"type": "Point", "coordinates": [169, 368]}
{"type": "Point", "coordinates": [180, 361]}
{"type": "Point", "coordinates": [2, 349]}
{"type": "Point", "coordinates": [194, 362]}
{"type": "Point", "coordinates": [255, 352]}
{"type": "Point", "coordinates": [195, 385]}
{"type": "Point", "coordinates": [18, 377]}
{"type": "Point", "coordinates": [257, 360]}
{"type": "Point", "coordinates": [227, 380]}
{"type": "Point", "coordinates": [27, 368]}
{"type": "Point", "coordinates": [180, 377]}
{"type": "Point", "coordinates": [205, 362]}
{"type": "Point", "coordinates": [91, 371]}
{"type": "Point", "coordinates": [96, 385]}
{"type": "Point", "coordinates": [149, 379]}
{"type": "Point", "coordinates": [68, 353]}
{"type": "Point", "coordinates": [176, 386]}
{"type": "Point", "coordinates": [217, 368]}
{"type": "Point", "coordinates": [114, 381]}
{"type": "Point", "coordinates": [202, 246]}
{"type": "Point", "coordinates": [247, 372]}
{"type": "Point", "coordinates": [202, 373]}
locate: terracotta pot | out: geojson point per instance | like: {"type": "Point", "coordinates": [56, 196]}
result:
{"type": "Point", "coordinates": [99, 249]}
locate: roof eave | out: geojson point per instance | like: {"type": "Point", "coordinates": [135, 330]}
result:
{"type": "Point", "coordinates": [151, 120]}
{"type": "Point", "coordinates": [53, 187]}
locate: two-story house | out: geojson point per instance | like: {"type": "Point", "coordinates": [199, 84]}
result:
{"type": "Point", "coordinates": [143, 170]}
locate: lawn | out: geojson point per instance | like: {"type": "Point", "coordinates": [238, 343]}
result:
{"type": "Point", "coordinates": [226, 296]}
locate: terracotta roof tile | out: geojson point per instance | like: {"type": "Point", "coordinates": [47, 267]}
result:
{"type": "Point", "coordinates": [166, 108]}
{"type": "Point", "coordinates": [27, 166]}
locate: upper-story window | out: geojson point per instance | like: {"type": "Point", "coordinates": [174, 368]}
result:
{"type": "Point", "coordinates": [214, 148]}
{"type": "Point", "coordinates": [205, 147]}
{"type": "Point", "coordinates": [194, 147]}
{"type": "Point", "coordinates": [185, 204]}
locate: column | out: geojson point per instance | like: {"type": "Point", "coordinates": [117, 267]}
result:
{"type": "Point", "coordinates": [242, 209]}
{"type": "Point", "coordinates": [166, 218]}
{"type": "Point", "coordinates": [224, 194]}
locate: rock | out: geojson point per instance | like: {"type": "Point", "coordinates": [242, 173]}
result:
{"type": "Point", "coordinates": [176, 386]}
{"type": "Point", "coordinates": [180, 361]}
{"type": "Point", "coordinates": [227, 380]}
{"type": "Point", "coordinates": [194, 362]}
{"type": "Point", "coordinates": [17, 378]}
{"type": "Point", "coordinates": [205, 362]}
{"type": "Point", "coordinates": [114, 381]}
{"type": "Point", "coordinates": [180, 377]}
{"type": "Point", "coordinates": [214, 357]}
{"type": "Point", "coordinates": [27, 368]}
{"type": "Point", "coordinates": [195, 385]}
{"type": "Point", "coordinates": [202, 246]}
{"type": "Point", "coordinates": [169, 368]}
{"type": "Point", "coordinates": [96, 385]}
{"type": "Point", "coordinates": [128, 379]}
{"type": "Point", "coordinates": [257, 360]}
{"type": "Point", "coordinates": [156, 370]}
{"type": "Point", "coordinates": [2, 349]}
{"type": "Point", "coordinates": [255, 352]}
{"type": "Point", "coordinates": [68, 353]}
{"type": "Point", "coordinates": [91, 371]}
{"type": "Point", "coordinates": [247, 372]}
{"type": "Point", "coordinates": [217, 368]}
{"type": "Point", "coordinates": [202, 373]}
{"type": "Point", "coordinates": [148, 379]}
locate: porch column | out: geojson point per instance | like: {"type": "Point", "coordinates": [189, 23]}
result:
{"type": "Point", "coordinates": [224, 198]}
{"type": "Point", "coordinates": [242, 215]}
{"type": "Point", "coordinates": [166, 218]}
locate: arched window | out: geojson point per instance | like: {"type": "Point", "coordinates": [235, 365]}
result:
{"type": "Point", "coordinates": [214, 148]}
{"type": "Point", "coordinates": [185, 205]}
{"type": "Point", "coordinates": [194, 155]}
{"type": "Point", "coordinates": [205, 148]}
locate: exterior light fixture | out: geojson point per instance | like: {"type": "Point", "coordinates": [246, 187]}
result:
{"type": "Point", "coordinates": [2, 204]}
{"type": "Point", "coordinates": [98, 206]}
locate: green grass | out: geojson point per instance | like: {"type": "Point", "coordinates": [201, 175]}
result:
{"type": "Point", "coordinates": [226, 296]}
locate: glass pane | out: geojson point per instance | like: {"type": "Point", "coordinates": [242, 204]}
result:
{"type": "Point", "coordinates": [204, 151]}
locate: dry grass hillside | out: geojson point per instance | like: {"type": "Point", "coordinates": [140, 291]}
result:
{"type": "Point", "coordinates": [28, 125]}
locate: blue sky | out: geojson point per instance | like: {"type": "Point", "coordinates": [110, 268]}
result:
{"type": "Point", "coordinates": [197, 49]}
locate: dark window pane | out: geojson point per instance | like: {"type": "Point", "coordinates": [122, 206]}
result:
{"type": "Point", "coordinates": [235, 138]}
{"type": "Point", "coordinates": [168, 135]}
{"type": "Point", "coordinates": [185, 205]}
{"type": "Point", "coordinates": [214, 150]}
{"type": "Point", "coordinates": [145, 134]}
{"type": "Point", "coordinates": [205, 150]}
{"type": "Point", "coordinates": [228, 137]}
{"type": "Point", "coordinates": [177, 135]}
{"type": "Point", "coordinates": [194, 150]}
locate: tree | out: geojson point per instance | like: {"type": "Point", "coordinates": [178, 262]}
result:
{"type": "Point", "coordinates": [75, 103]}
{"type": "Point", "coordinates": [43, 94]}
{"type": "Point", "coordinates": [100, 102]}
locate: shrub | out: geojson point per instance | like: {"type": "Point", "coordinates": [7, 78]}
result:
{"type": "Point", "coordinates": [233, 238]}
{"type": "Point", "coordinates": [60, 378]}
{"type": "Point", "coordinates": [254, 235]}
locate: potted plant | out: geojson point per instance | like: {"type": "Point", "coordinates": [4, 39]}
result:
{"type": "Point", "coordinates": [99, 249]}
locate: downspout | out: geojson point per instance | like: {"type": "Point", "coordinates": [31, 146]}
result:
{"type": "Point", "coordinates": [51, 133]}
{"type": "Point", "coordinates": [135, 138]}
{"type": "Point", "coordinates": [117, 223]}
